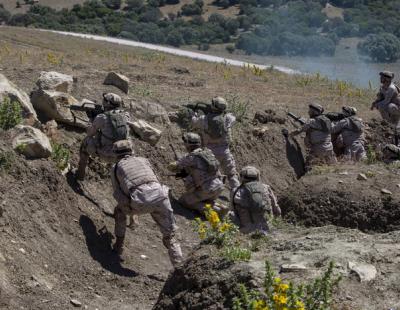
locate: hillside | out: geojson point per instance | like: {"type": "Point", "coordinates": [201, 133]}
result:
{"type": "Point", "coordinates": [55, 240]}
{"type": "Point", "coordinates": [261, 27]}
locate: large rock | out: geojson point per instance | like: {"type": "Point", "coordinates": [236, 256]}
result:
{"type": "Point", "coordinates": [146, 132]}
{"type": "Point", "coordinates": [150, 111]}
{"type": "Point", "coordinates": [118, 80]}
{"type": "Point", "coordinates": [365, 272]}
{"type": "Point", "coordinates": [9, 90]}
{"type": "Point", "coordinates": [31, 142]}
{"type": "Point", "coordinates": [55, 81]}
{"type": "Point", "coordinates": [55, 105]}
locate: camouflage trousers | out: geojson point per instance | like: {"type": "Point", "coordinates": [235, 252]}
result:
{"type": "Point", "coordinates": [250, 222]}
{"type": "Point", "coordinates": [320, 155]}
{"type": "Point", "coordinates": [391, 113]}
{"type": "Point", "coordinates": [355, 152]}
{"type": "Point", "coordinates": [197, 198]}
{"type": "Point", "coordinates": [91, 147]}
{"type": "Point", "coordinates": [162, 214]}
{"type": "Point", "coordinates": [227, 162]}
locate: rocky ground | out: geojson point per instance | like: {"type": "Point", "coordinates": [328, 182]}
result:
{"type": "Point", "coordinates": [55, 240]}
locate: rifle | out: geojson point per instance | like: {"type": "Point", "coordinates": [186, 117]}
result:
{"type": "Point", "coordinates": [335, 116]}
{"type": "Point", "coordinates": [199, 106]}
{"type": "Point", "coordinates": [181, 174]}
{"type": "Point", "coordinates": [296, 118]}
{"type": "Point", "coordinates": [92, 109]}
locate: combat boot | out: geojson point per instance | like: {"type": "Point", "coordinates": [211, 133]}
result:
{"type": "Point", "coordinates": [118, 247]}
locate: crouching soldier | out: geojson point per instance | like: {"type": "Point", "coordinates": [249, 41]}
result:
{"type": "Point", "coordinates": [318, 137]}
{"type": "Point", "coordinates": [391, 154]}
{"type": "Point", "coordinates": [138, 191]}
{"type": "Point", "coordinates": [107, 128]}
{"type": "Point", "coordinates": [203, 182]}
{"type": "Point", "coordinates": [388, 103]}
{"type": "Point", "coordinates": [252, 201]}
{"type": "Point", "coordinates": [351, 130]}
{"type": "Point", "coordinates": [215, 129]}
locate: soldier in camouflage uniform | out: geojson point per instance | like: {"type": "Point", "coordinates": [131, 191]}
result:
{"type": "Point", "coordinates": [107, 128]}
{"type": "Point", "coordinates": [215, 129]}
{"type": "Point", "coordinates": [252, 201]}
{"type": "Point", "coordinates": [388, 103]}
{"type": "Point", "coordinates": [391, 154]}
{"type": "Point", "coordinates": [318, 137]}
{"type": "Point", "coordinates": [138, 191]}
{"type": "Point", "coordinates": [351, 131]}
{"type": "Point", "coordinates": [203, 182]}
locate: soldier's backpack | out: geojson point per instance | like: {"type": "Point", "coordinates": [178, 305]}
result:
{"type": "Point", "coordinates": [254, 195]}
{"type": "Point", "coordinates": [355, 124]}
{"type": "Point", "coordinates": [118, 125]}
{"type": "Point", "coordinates": [325, 124]}
{"type": "Point", "coordinates": [210, 162]}
{"type": "Point", "coordinates": [216, 126]}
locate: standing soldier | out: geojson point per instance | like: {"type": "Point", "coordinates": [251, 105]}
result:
{"type": "Point", "coordinates": [351, 130]}
{"type": "Point", "coordinates": [252, 201]}
{"type": "Point", "coordinates": [318, 137]}
{"type": "Point", "coordinates": [138, 191]}
{"type": "Point", "coordinates": [107, 128]}
{"type": "Point", "coordinates": [203, 182]}
{"type": "Point", "coordinates": [215, 128]}
{"type": "Point", "coordinates": [388, 103]}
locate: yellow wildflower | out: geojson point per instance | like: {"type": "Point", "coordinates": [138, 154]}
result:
{"type": "Point", "coordinates": [283, 287]}
{"type": "Point", "coordinates": [277, 280]}
{"type": "Point", "coordinates": [213, 218]}
{"type": "Point", "coordinates": [259, 305]}
{"type": "Point", "coordinates": [224, 227]}
{"type": "Point", "coordinates": [299, 305]}
{"type": "Point", "coordinates": [279, 299]}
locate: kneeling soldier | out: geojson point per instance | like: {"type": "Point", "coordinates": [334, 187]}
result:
{"type": "Point", "coordinates": [391, 154]}
{"type": "Point", "coordinates": [138, 191]}
{"type": "Point", "coordinates": [203, 181]}
{"type": "Point", "coordinates": [252, 201]}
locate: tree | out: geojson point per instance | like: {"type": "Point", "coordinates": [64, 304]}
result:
{"type": "Point", "coordinates": [175, 38]}
{"type": "Point", "coordinates": [112, 4]}
{"type": "Point", "coordinates": [384, 47]}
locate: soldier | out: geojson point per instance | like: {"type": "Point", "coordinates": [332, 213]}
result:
{"type": "Point", "coordinates": [318, 137]}
{"type": "Point", "coordinates": [391, 154]}
{"type": "Point", "coordinates": [252, 201]}
{"type": "Point", "coordinates": [215, 130]}
{"type": "Point", "coordinates": [203, 182]}
{"type": "Point", "coordinates": [107, 128]}
{"type": "Point", "coordinates": [138, 191]}
{"type": "Point", "coordinates": [351, 132]}
{"type": "Point", "coordinates": [388, 103]}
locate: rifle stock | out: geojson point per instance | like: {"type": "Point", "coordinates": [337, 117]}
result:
{"type": "Point", "coordinates": [92, 109]}
{"type": "Point", "coordinates": [296, 118]}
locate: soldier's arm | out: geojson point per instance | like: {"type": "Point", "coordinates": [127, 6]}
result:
{"type": "Point", "coordinates": [303, 128]}
{"type": "Point", "coordinates": [118, 194]}
{"type": "Point", "coordinates": [96, 125]}
{"type": "Point", "coordinates": [388, 97]}
{"type": "Point", "coordinates": [276, 210]}
{"type": "Point", "coordinates": [339, 126]}
{"type": "Point", "coordinates": [198, 122]}
{"type": "Point", "coordinates": [230, 120]}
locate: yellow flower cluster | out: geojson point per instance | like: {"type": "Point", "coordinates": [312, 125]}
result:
{"type": "Point", "coordinates": [212, 216]}
{"type": "Point", "coordinates": [259, 305]}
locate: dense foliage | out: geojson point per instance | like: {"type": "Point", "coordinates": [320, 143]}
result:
{"type": "Point", "coordinates": [266, 27]}
{"type": "Point", "coordinates": [381, 48]}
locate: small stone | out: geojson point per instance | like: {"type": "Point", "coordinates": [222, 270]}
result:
{"type": "Point", "coordinates": [76, 303]}
{"type": "Point", "coordinates": [362, 177]}
{"type": "Point", "coordinates": [343, 173]}
{"type": "Point", "coordinates": [386, 191]}
{"type": "Point", "coordinates": [143, 256]}
{"type": "Point", "coordinates": [340, 182]}
{"type": "Point", "coordinates": [298, 267]}
{"type": "Point", "coordinates": [22, 250]}
{"type": "Point", "coordinates": [398, 185]}
{"type": "Point", "coordinates": [348, 297]}
{"type": "Point", "coordinates": [365, 272]}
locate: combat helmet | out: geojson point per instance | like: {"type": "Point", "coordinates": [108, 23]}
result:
{"type": "Point", "coordinates": [387, 74]}
{"type": "Point", "coordinates": [219, 104]}
{"type": "Point", "coordinates": [191, 138]}
{"type": "Point", "coordinates": [316, 107]}
{"type": "Point", "coordinates": [122, 147]}
{"type": "Point", "coordinates": [112, 101]}
{"type": "Point", "coordinates": [349, 111]}
{"type": "Point", "coordinates": [250, 173]}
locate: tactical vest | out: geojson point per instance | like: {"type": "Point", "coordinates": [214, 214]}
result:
{"type": "Point", "coordinates": [323, 124]}
{"type": "Point", "coordinates": [216, 126]}
{"type": "Point", "coordinates": [355, 124]}
{"type": "Point", "coordinates": [255, 197]}
{"type": "Point", "coordinates": [133, 172]}
{"type": "Point", "coordinates": [208, 160]}
{"type": "Point", "coordinates": [118, 123]}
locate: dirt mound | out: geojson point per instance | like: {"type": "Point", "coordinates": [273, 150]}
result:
{"type": "Point", "coordinates": [205, 281]}
{"type": "Point", "coordinates": [337, 195]}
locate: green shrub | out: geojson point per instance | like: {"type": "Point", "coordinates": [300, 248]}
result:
{"type": "Point", "coordinates": [10, 114]}
{"type": "Point", "coordinates": [7, 159]}
{"type": "Point", "coordinates": [384, 47]}
{"type": "Point", "coordinates": [60, 156]}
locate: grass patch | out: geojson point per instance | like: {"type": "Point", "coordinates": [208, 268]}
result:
{"type": "Point", "coordinates": [60, 156]}
{"type": "Point", "coordinates": [7, 160]}
{"type": "Point", "coordinates": [10, 114]}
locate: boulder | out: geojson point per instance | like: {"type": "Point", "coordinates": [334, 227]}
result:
{"type": "Point", "coordinates": [118, 80]}
{"type": "Point", "coordinates": [362, 177]}
{"type": "Point", "coordinates": [9, 90]}
{"type": "Point", "coordinates": [31, 142]}
{"type": "Point", "coordinates": [146, 132]}
{"type": "Point", "coordinates": [296, 267]}
{"type": "Point", "coordinates": [55, 81]}
{"type": "Point", "coordinates": [55, 105]}
{"type": "Point", "coordinates": [365, 272]}
{"type": "Point", "coordinates": [150, 111]}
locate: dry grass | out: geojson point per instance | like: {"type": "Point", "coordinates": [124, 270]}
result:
{"type": "Point", "coordinates": [10, 5]}
{"type": "Point", "coordinates": [153, 77]}
{"type": "Point", "coordinates": [333, 11]}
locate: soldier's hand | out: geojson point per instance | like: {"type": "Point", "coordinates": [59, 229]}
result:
{"type": "Point", "coordinates": [276, 211]}
{"type": "Point", "coordinates": [173, 166]}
